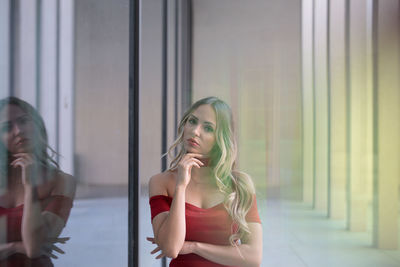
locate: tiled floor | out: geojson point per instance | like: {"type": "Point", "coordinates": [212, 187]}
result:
{"type": "Point", "coordinates": [294, 235]}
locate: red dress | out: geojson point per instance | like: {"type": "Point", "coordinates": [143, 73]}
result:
{"type": "Point", "coordinates": [213, 226]}
{"type": "Point", "coordinates": [59, 205]}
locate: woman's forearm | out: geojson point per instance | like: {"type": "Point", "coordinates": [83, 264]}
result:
{"type": "Point", "coordinates": [171, 234]}
{"type": "Point", "coordinates": [33, 224]}
{"type": "Point", "coordinates": [242, 255]}
{"type": "Point", "coordinates": [6, 250]}
{"type": "Point", "coordinates": [11, 248]}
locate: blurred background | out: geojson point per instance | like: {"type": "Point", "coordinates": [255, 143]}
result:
{"type": "Point", "coordinates": [314, 88]}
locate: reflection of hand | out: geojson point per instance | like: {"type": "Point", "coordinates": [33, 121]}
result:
{"type": "Point", "coordinates": [188, 161]}
{"type": "Point", "coordinates": [187, 248]}
{"type": "Point", "coordinates": [26, 162]}
{"type": "Point", "coordinates": [49, 247]}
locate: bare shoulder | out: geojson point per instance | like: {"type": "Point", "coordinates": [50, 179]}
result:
{"type": "Point", "coordinates": [161, 183]}
{"type": "Point", "coordinates": [65, 184]}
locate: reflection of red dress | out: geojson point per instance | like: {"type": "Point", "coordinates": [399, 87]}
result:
{"type": "Point", "coordinates": [60, 205]}
{"type": "Point", "coordinates": [212, 226]}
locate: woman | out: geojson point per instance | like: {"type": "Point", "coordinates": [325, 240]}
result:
{"type": "Point", "coordinates": [35, 195]}
{"type": "Point", "coordinates": [204, 211]}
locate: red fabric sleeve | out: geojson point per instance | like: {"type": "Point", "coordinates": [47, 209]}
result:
{"type": "Point", "coordinates": [60, 205]}
{"type": "Point", "coordinates": [159, 204]}
{"type": "Point", "coordinates": [252, 215]}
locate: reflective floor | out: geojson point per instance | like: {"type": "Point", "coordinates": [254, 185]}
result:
{"type": "Point", "coordinates": [294, 235]}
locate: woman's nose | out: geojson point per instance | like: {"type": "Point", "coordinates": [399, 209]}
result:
{"type": "Point", "coordinates": [16, 130]}
{"type": "Point", "coordinates": [196, 130]}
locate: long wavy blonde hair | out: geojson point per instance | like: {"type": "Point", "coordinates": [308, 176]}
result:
{"type": "Point", "coordinates": [236, 186]}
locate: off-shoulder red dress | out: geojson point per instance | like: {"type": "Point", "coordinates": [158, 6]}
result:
{"type": "Point", "coordinates": [59, 205]}
{"type": "Point", "coordinates": [213, 226]}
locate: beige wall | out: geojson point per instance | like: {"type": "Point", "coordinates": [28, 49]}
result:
{"type": "Point", "coordinates": [101, 91]}
{"type": "Point", "coordinates": [248, 53]}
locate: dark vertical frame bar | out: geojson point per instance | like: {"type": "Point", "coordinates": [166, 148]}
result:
{"type": "Point", "coordinates": [187, 56]}
{"type": "Point", "coordinates": [12, 31]}
{"type": "Point", "coordinates": [38, 51]}
{"type": "Point", "coordinates": [133, 215]}
{"type": "Point", "coordinates": [164, 99]}
{"type": "Point", "coordinates": [176, 58]}
{"type": "Point", "coordinates": [57, 147]}
{"type": "Point", "coordinates": [164, 84]}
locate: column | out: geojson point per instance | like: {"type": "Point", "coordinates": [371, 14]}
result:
{"type": "Point", "coordinates": [337, 65]}
{"type": "Point", "coordinates": [357, 93]}
{"type": "Point", "coordinates": [321, 105]}
{"type": "Point", "coordinates": [308, 103]}
{"type": "Point", "coordinates": [386, 123]}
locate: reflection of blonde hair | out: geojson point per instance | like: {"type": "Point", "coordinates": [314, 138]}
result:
{"type": "Point", "coordinates": [237, 186]}
{"type": "Point", "coordinates": [41, 147]}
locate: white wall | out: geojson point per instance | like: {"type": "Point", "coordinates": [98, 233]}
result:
{"type": "Point", "coordinates": [101, 96]}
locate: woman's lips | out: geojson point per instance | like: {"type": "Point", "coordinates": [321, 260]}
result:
{"type": "Point", "coordinates": [22, 141]}
{"type": "Point", "coordinates": [193, 142]}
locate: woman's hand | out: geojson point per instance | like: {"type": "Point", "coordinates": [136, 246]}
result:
{"type": "Point", "coordinates": [187, 248]}
{"type": "Point", "coordinates": [49, 247]}
{"type": "Point", "coordinates": [26, 162]}
{"type": "Point", "coordinates": [185, 166]}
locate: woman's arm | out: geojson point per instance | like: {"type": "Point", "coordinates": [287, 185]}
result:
{"type": "Point", "coordinates": [33, 229]}
{"type": "Point", "coordinates": [6, 250]}
{"type": "Point", "coordinates": [38, 226]}
{"type": "Point", "coordinates": [170, 227]}
{"type": "Point", "coordinates": [248, 254]}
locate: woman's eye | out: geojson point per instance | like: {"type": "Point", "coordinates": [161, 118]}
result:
{"type": "Point", "coordinates": [192, 121]}
{"type": "Point", "coordinates": [5, 128]}
{"type": "Point", "coordinates": [23, 120]}
{"type": "Point", "coordinates": [209, 129]}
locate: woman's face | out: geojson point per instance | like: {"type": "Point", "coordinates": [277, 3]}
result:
{"type": "Point", "coordinates": [16, 130]}
{"type": "Point", "coordinates": [199, 130]}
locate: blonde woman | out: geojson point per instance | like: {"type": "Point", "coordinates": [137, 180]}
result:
{"type": "Point", "coordinates": [35, 196]}
{"type": "Point", "coordinates": [204, 211]}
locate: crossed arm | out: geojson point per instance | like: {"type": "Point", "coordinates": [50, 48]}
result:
{"type": "Point", "coordinates": [40, 229]}
{"type": "Point", "coordinates": [169, 234]}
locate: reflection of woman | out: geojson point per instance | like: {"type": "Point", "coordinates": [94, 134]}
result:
{"type": "Point", "coordinates": [35, 195]}
{"type": "Point", "coordinates": [204, 211]}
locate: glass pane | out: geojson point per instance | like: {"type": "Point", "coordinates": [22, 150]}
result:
{"type": "Point", "coordinates": [305, 81]}
{"type": "Point", "coordinates": [68, 65]}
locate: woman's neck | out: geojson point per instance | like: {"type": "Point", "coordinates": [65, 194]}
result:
{"type": "Point", "coordinates": [203, 175]}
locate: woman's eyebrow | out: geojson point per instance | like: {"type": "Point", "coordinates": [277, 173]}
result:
{"type": "Point", "coordinates": [17, 118]}
{"type": "Point", "coordinates": [206, 122]}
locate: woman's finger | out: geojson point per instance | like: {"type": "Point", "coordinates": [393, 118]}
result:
{"type": "Point", "coordinates": [55, 248]}
{"type": "Point", "coordinates": [160, 256]}
{"type": "Point", "coordinates": [194, 164]}
{"type": "Point", "coordinates": [198, 161]}
{"type": "Point", "coordinates": [48, 254]}
{"type": "Point", "coordinates": [61, 240]}
{"type": "Point", "coordinates": [157, 249]}
{"type": "Point", "coordinates": [196, 155]}
{"type": "Point", "coordinates": [24, 155]}
{"type": "Point", "coordinates": [151, 239]}
{"type": "Point", "coordinates": [17, 161]}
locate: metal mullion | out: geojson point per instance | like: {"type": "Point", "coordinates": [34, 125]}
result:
{"type": "Point", "coordinates": [133, 183]}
